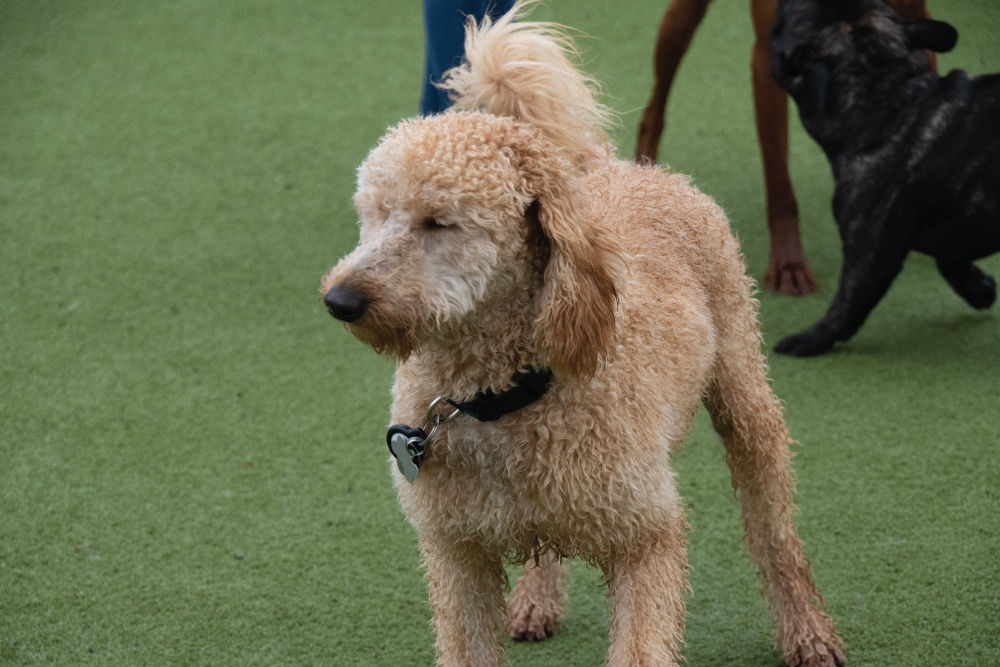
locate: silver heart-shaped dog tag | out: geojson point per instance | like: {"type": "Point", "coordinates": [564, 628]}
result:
{"type": "Point", "coordinates": [407, 445]}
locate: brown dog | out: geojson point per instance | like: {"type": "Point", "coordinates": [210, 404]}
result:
{"type": "Point", "coordinates": [788, 271]}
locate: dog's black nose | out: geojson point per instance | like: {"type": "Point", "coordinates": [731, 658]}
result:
{"type": "Point", "coordinates": [345, 303]}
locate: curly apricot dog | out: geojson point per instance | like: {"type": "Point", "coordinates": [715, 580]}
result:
{"type": "Point", "coordinates": [576, 308]}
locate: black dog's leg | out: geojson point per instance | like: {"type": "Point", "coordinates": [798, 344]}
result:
{"type": "Point", "coordinates": [864, 280]}
{"type": "Point", "coordinates": [977, 287]}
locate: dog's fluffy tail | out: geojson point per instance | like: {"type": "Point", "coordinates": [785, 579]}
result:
{"type": "Point", "coordinates": [529, 70]}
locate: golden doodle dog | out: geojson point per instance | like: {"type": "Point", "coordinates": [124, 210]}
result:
{"type": "Point", "coordinates": [573, 309]}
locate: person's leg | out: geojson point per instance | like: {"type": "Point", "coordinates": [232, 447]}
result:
{"type": "Point", "coordinates": [444, 28]}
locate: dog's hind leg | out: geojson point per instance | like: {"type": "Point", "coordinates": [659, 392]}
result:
{"type": "Point", "coordinates": [977, 287]}
{"type": "Point", "coordinates": [748, 417]}
{"type": "Point", "coordinates": [760, 463]}
{"type": "Point", "coordinates": [538, 600]}
{"type": "Point", "coordinates": [749, 420]}
{"type": "Point", "coordinates": [466, 584]}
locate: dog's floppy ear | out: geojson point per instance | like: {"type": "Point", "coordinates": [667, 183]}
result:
{"type": "Point", "coordinates": [931, 35]}
{"type": "Point", "coordinates": [575, 323]}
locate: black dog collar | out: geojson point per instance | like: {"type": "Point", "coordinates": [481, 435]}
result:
{"type": "Point", "coordinates": [487, 406]}
{"type": "Point", "coordinates": [409, 445]}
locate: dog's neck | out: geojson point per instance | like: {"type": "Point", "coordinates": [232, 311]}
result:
{"type": "Point", "coordinates": [486, 349]}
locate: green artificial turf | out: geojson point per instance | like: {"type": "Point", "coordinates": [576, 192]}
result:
{"type": "Point", "coordinates": [192, 467]}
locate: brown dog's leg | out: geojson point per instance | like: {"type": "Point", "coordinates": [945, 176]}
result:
{"type": "Point", "coordinates": [788, 272]}
{"type": "Point", "coordinates": [466, 594]}
{"type": "Point", "coordinates": [538, 600]}
{"type": "Point", "coordinates": [676, 29]}
{"type": "Point", "coordinates": [648, 583]}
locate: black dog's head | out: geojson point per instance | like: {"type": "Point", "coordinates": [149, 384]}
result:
{"type": "Point", "coordinates": [830, 55]}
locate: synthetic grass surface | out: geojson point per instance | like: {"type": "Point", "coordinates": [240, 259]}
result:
{"type": "Point", "coordinates": [192, 467]}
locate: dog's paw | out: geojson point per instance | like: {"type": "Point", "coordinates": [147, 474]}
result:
{"type": "Point", "coordinates": [792, 277]}
{"type": "Point", "coordinates": [816, 653]}
{"type": "Point", "coordinates": [981, 292]}
{"type": "Point", "coordinates": [529, 622]}
{"type": "Point", "coordinates": [804, 344]}
{"type": "Point", "coordinates": [974, 285]}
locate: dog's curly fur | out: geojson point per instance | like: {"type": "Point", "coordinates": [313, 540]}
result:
{"type": "Point", "coordinates": [505, 235]}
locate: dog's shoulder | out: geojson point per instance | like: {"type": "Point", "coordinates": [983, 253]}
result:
{"type": "Point", "coordinates": [670, 231]}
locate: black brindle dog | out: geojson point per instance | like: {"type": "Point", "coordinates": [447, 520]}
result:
{"type": "Point", "coordinates": [915, 156]}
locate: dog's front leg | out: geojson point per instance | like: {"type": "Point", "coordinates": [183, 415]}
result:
{"type": "Point", "coordinates": [648, 583]}
{"type": "Point", "coordinates": [466, 584]}
{"type": "Point", "coordinates": [871, 263]}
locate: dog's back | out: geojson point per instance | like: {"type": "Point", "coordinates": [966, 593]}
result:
{"type": "Point", "coordinates": [955, 158]}
{"type": "Point", "coordinates": [676, 239]}
{"type": "Point", "coordinates": [529, 71]}
{"type": "Point", "coordinates": [869, 96]}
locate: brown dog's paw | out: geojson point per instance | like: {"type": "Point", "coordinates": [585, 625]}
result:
{"type": "Point", "coordinates": [648, 142]}
{"type": "Point", "coordinates": [531, 623]}
{"type": "Point", "coordinates": [790, 277]}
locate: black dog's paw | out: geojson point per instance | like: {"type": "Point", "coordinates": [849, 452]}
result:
{"type": "Point", "coordinates": [981, 292]}
{"type": "Point", "coordinates": [974, 285]}
{"type": "Point", "coordinates": [804, 344]}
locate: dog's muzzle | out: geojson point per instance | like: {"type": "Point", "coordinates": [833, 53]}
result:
{"type": "Point", "coordinates": [345, 303]}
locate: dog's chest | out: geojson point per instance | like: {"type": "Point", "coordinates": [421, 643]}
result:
{"type": "Point", "coordinates": [515, 484]}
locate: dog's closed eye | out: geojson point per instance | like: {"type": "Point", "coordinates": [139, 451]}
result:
{"type": "Point", "coordinates": [431, 224]}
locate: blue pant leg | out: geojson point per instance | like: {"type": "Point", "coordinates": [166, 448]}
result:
{"type": "Point", "coordinates": [444, 24]}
